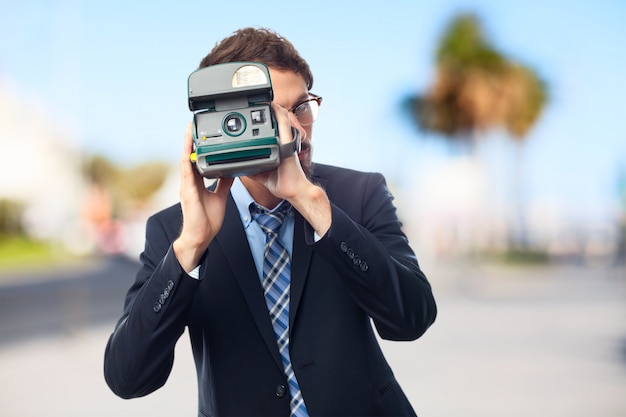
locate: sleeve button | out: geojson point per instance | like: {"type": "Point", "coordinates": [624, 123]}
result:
{"type": "Point", "coordinates": [281, 390]}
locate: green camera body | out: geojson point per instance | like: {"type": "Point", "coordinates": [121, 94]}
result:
{"type": "Point", "coordinates": [234, 129]}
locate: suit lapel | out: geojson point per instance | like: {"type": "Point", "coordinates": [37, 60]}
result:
{"type": "Point", "coordinates": [232, 239]}
{"type": "Point", "coordinates": [301, 259]}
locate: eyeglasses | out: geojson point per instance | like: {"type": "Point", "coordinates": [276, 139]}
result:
{"type": "Point", "coordinates": [306, 111]}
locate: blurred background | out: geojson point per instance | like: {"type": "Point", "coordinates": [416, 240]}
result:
{"type": "Point", "coordinates": [497, 125]}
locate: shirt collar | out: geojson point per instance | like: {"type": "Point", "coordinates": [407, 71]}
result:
{"type": "Point", "coordinates": [243, 199]}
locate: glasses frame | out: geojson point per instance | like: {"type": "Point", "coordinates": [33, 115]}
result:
{"type": "Point", "coordinates": [312, 97]}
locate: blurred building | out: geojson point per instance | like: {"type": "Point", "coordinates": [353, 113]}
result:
{"type": "Point", "coordinates": [453, 211]}
{"type": "Point", "coordinates": [39, 166]}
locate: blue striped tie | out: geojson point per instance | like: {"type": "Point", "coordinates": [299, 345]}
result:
{"type": "Point", "coordinates": [276, 283]}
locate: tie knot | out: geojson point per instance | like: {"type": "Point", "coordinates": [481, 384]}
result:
{"type": "Point", "coordinates": [270, 222]}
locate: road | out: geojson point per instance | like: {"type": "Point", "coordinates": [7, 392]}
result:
{"type": "Point", "coordinates": [63, 300]}
{"type": "Point", "coordinates": [541, 341]}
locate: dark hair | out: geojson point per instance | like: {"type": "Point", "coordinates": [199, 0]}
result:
{"type": "Point", "coordinates": [259, 45]}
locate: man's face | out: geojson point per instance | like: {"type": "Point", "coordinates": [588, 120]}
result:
{"type": "Point", "coordinates": [289, 91]}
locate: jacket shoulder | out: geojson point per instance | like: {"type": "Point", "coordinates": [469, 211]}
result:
{"type": "Point", "coordinates": [169, 219]}
{"type": "Point", "coordinates": [333, 173]}
{"type": "Point", "coordinates": [346, 180]}
{"type": "Point", "coordinates": [174, 210]}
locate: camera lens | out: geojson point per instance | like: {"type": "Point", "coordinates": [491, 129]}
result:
{"type": "Point", "coordinates": [234, 124]}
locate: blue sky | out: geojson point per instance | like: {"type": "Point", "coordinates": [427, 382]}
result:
{"type": "Point", "coordinates": [114, 73]}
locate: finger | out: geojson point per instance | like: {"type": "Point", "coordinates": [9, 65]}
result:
{"type": "Point", "coordinates": [188, 174]}
{"type": "Point", "coordinates": [284, 125]}
{"type": "Point", "coordinates": [185, 165]}
{"type": "Point", "coordinates": [188, 143]}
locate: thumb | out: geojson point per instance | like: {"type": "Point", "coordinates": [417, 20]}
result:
{"type": "Point", "coordinates": [223, 187]}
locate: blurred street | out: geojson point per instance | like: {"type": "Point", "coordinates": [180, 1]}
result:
{"type": "Point", "coordinates": [509, 341]}
{"type": "Point", "coordinates": [64, 301]}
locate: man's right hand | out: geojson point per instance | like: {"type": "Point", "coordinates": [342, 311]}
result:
{"type": "Point", "coordinates": [203, 210]}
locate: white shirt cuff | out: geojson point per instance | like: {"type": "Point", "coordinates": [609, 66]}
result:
{"type": "Point", "coordinates": [195, 273]}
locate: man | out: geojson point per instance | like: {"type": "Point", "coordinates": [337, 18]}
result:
{"type": "Point", "coordinates": [203, 269]}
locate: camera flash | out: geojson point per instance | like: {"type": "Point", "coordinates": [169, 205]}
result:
{"type": "Point", "coordinates": [248, 76]}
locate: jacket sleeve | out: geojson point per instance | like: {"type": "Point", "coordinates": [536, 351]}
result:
{"type": "Point", "coordinates": [140, 352]}
{"type": "Point", "coordinates": [368, 248]}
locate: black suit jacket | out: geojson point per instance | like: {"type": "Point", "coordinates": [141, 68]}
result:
{"type": "Point", "coordinates": [361, 271]}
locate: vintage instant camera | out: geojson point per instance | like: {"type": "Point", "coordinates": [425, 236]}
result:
{"type": "Point", "coordinates": [234, 129]}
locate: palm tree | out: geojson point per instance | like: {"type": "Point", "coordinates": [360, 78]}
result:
{"type": "Point", "coordinates": [476, 89]}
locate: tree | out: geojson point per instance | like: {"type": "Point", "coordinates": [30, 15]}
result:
{"type": "Point", "coordinates": [128, 187]}
{"type": "Point", "coordinates": [11, 212]}
{"type": "Point", "coordinates": [476, 89]}
{"type": "Point", "coordinates": [116, 194]}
